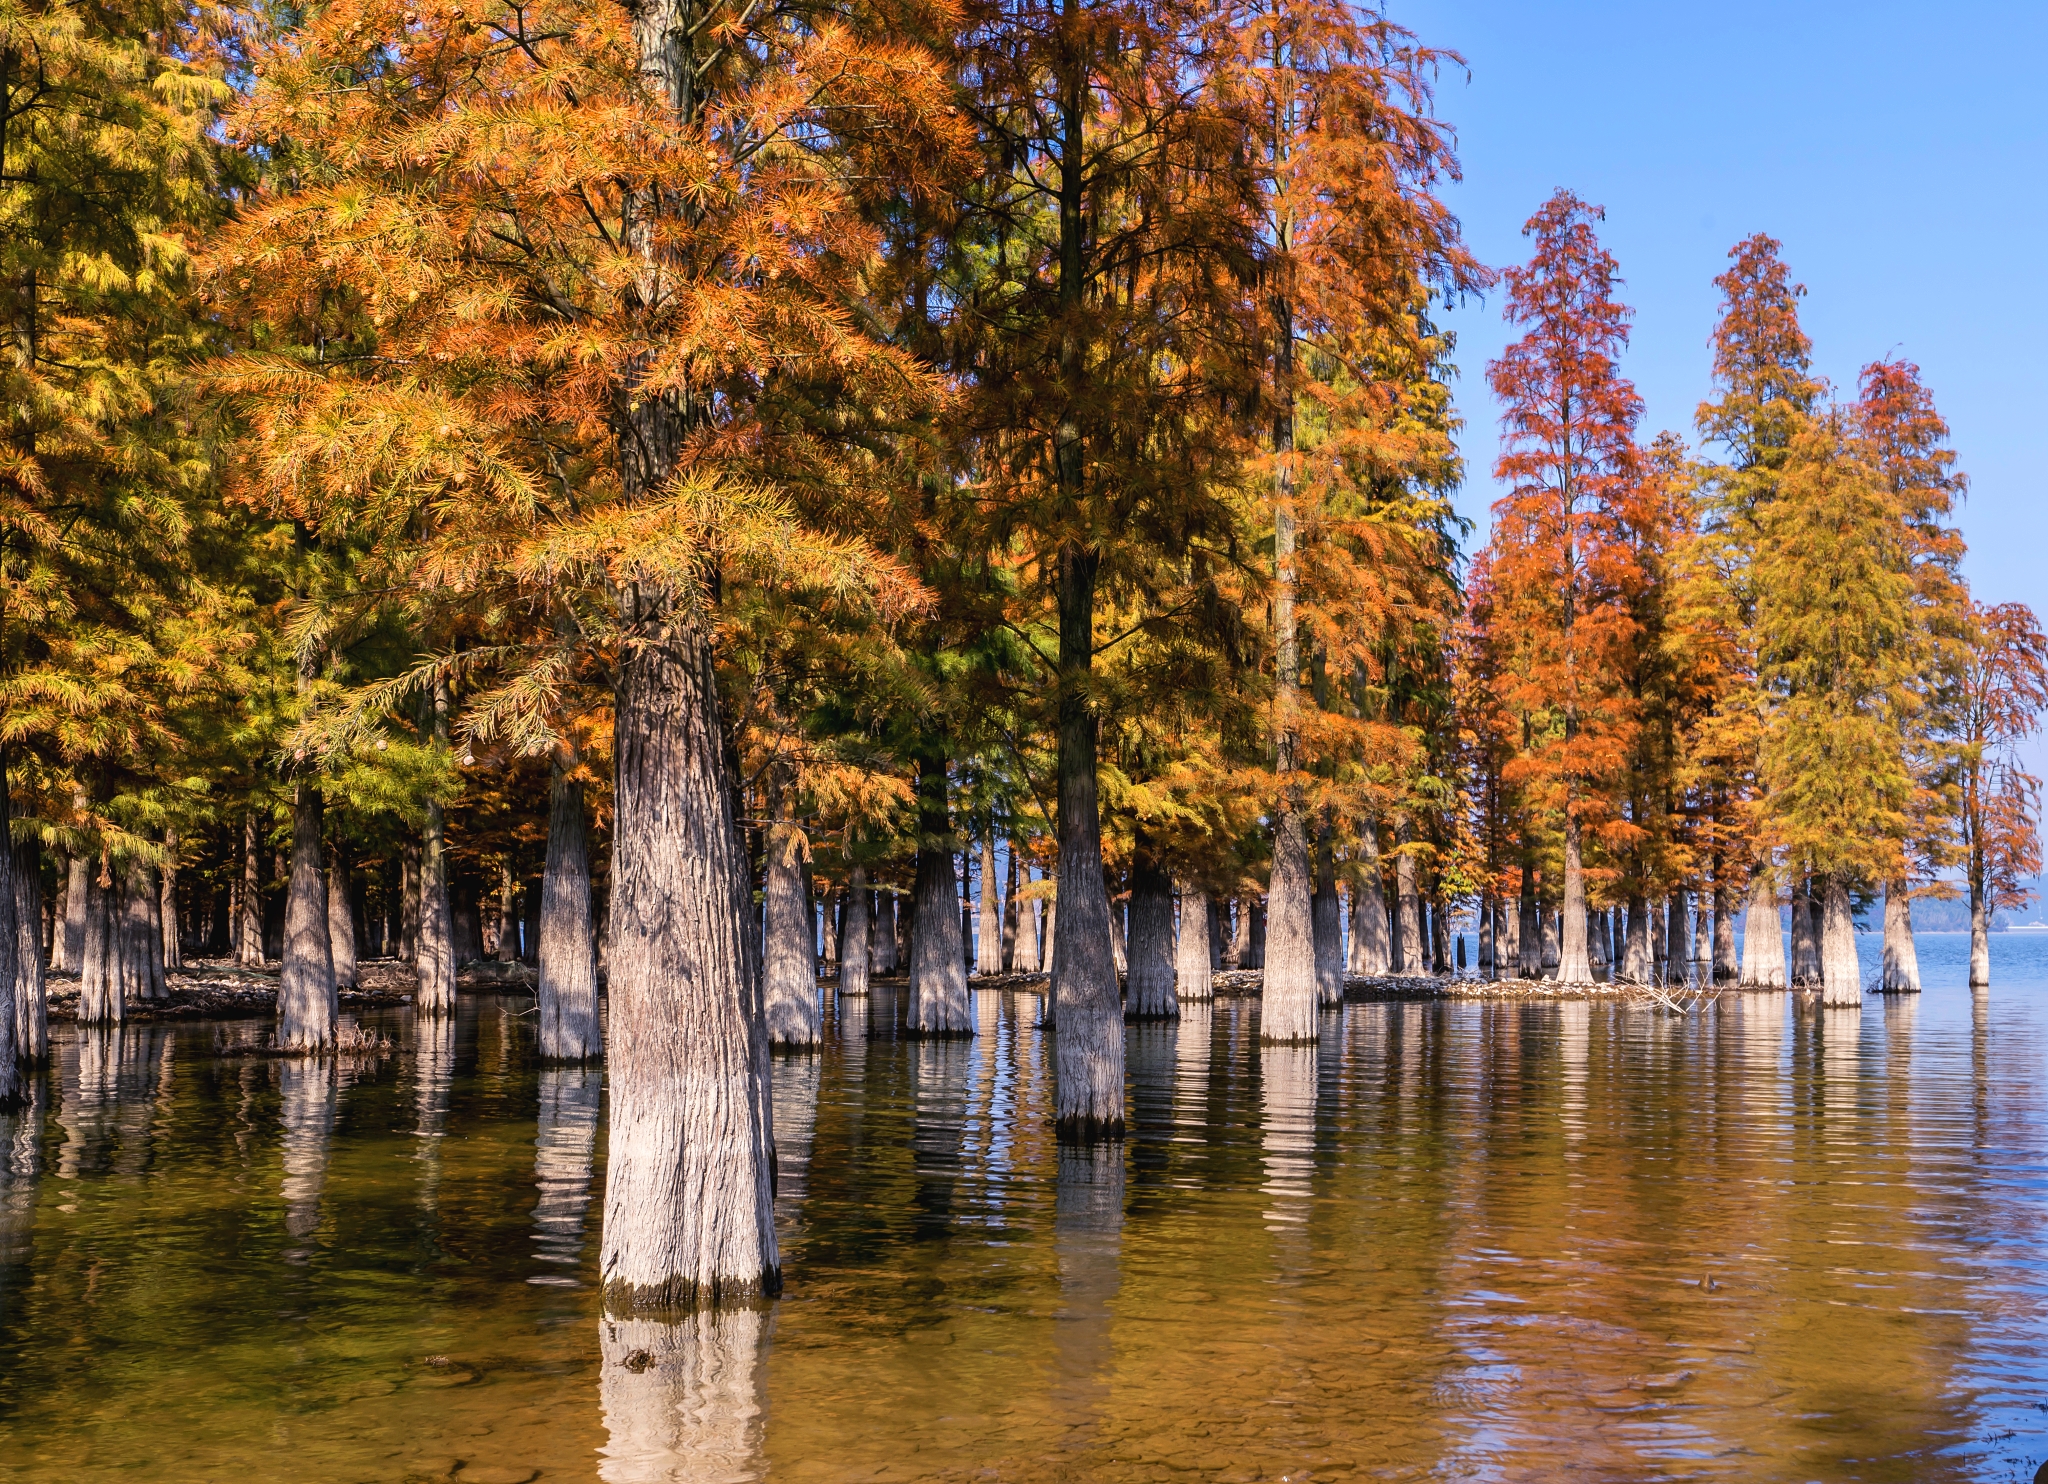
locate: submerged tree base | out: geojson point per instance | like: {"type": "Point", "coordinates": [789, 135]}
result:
{"type": "Point", "coordinates": [679, 1298]}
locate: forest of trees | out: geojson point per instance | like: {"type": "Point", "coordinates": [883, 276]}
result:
{"type": "Point", "coordinates": [696, 496]}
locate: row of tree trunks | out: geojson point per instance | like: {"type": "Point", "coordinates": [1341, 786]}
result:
{"type": "Point", "coordinates": [1150, 986]}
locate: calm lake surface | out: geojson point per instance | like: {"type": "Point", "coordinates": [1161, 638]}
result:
{"type": "Point", "coordinates": [1491, 1241]}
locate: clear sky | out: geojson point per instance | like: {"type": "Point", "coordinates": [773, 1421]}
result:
{"type": "Point", "coordinates": [1899, 152]}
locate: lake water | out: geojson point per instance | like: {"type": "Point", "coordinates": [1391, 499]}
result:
{"type": "Point", "coordinates": [1493, 1241]}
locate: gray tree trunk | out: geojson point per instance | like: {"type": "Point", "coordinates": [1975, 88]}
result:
{"type": "Point", "coordinates": [988, 922]}
{"type": "Point", "coordinates": [341, 920]}
{"type": "Point", "coordinates": [853, 934]}
{"type": "Point", "coordinates": [1408, 942]}
{"type": "Point", "coordinates": [506, 931]}
{"type": "Point", "coordinates": [791, 983]}
{"type": "Point", "coordinates": [1238, 955]}
{"type": "Point", "coordinates": [167, 905]}
{"type": "Point", "coordinates": [1596, 940]}
{"type": "Point", "coordinates": [1149, 988]}
{"type": "Point", "coordinates": [306, 1005]}
{"type": "Point", "coordinates": [31, 991]}
{"type": "Point", "coordinates": [1763, 940]}
{"type": "Point", "coordinates": [434, 960]}
{"type": "Point", "coordinates": [1487, 935]}
{"type": "Point", "coordinates": [79, 868]}
{"type": "Point", "coordinates": [409, 902]}
{"type": "Point", "coordinates": [1529, 930]}
{"type": "Point", "coordinates": [1980, 933]}
{"type": "Point", "coordinates": [885, 956]}
{"type": "Point", "coordinates": [100, 1000]}
{"type": "Point", "coordinates": [1552, 950]}
{"type": "Point", "coordinates": [13, 1086]}
{"type": "Point", "coordinates": [249, 923]}
{"type": "Point", "coordinates": [1287, 1001]}
{"type": "Point", "coordinates": [1677, 945]}
{"type": "Point", "coordinates": [939, 1003]}
{"type": "Point", "coordinates": [689, 1174]}
{"type": "Point", "coordinates": [1326, 918]}
{"type": "Point", "coordinates": [1371, 953]}
{"type": "Point", "coordinates": [1028, 953]}
{"type": "Point", "coordinates": [1727, 968]}
{"type": "Point", "coordinates": [1807, 969]}
{"type": "Point", "coordinates": [1575, 963]}
{"type": "Point", "coordinates": [1193, 957]}
{"type": "Point", "coordinates": [565, 991]}
{"type": "Point", "coordinates": [1636, 962]}
{"type": "Point", "coordinates": [1841, 974]}
{"type": "Point", "coordinates": [1901, 959]}
{"type": "Point", "coordinates": [1012, 909]}
{"type": "Point", "coordinates": [139, 941]}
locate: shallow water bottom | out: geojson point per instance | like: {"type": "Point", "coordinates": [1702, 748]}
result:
{"type": "Point", "coordinates": [1451, 1241]}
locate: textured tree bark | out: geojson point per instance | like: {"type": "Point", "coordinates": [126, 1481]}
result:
{"type": "Point", "coordinates": [1409, 944]}
{"type": "Point", "coordinates": [1528, 929]}
{"type": "Point", "coordinates": [1596, 941]}
{"type": "Point", "coordinates": [79, 869]}
{"type": "Point", "coordinates": [1326, 920]}
{"type": "Point", "coordinates": [13, 1086]}
{"type": "Point", "coordinates": [1553, 953]}
{"type": "Point", "coordinates": [1727, 968]}
{"type": "Point", "coordinates": [885, 958]}
{"type": "Point", "coordinates": [1763, 940]}
{"type": "Point", "coordinates": [1193, 954]}
{"type": "Point", "coordinates": [409, 902]}
{"type": "Point", "coordinates": [1574, 964]}
{"type": "Point", "coordinates": [1238, 953]}
{"type": "Point", "coordinates": [1901, 973]}
{"type": "Point", "coordinates": [306, 1005]}
{"type": "Point", "coordinates": [140, 947]}
{"type": "Point", "coordinates": [58, 963]}
{"type": "Point", "coordinates": [249, 924]}
{"type": "Point", "coordinates": [1487, 936]}
{"type": "Point", "coordinates": [1808, 972]}
{"type": "Point", "coordinates": [1841, 974]}
{"type": "Point", "coordinates": [505, 948]}
{"type": "Point", "coordinates": [689, 1180]}
{"type": "Point", "coordinates": [1149, 992]}
{"type": "Point", "coordinates": [1677, 942]}
{"type": "Point", "coordinates": [1007, 939]}
{"type": "Point", "coordinates": [434, 953]}
{"type": "Point", "coordinates": [1636, 962]}
{"type": "Point", "coordinates": [988, 924]}
{"type": "Point", "coordinates": [853, 934]}
{"type": "Point", "coordinates": [1287, 1001]}
{"type": "Point", "coordinates": [565, 991]}
{"type": "Point", "coordinates": [100, 1001]}
{"type": "Point", "coordinates": [167, 905]}
{"type": "Point", "coordinates": [1980, 934]}
{"type": "Point", "coordinates": [31, 992]}
{"type": "Point", "coordinates": [1088, 1009]}
{"type": "Point", "coordinates": [790, 983]}
{"type": "Point", "coordinates": [1371, 953]}
{"type": "Point", "coordinates": [939, 1003]}
{"type": "Point", "coordinates": [1440, 935]}
{"type": "Point", "coordinates": [341, 920]}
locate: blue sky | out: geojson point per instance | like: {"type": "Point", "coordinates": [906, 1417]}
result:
{"type": "Point", "coordinates": [1899, 153]}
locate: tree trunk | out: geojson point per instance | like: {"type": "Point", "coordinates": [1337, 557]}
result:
{"type": "Point", "coordinates": [565, 991]}
{"type": "Point", "coordinates": [306, 1006]}
{"type": "Point", "coordinates": [434, 953]}
{"type": "Point", "coordinates": [1763, 940]}
{"type": "Point", "coordinates": [1596, 941]}
{"type": "Point", "coordinates": [789, 960]}
{"type": "Point", "coordinates": [854, 929]}
{"type": "Point", "coordinates": [1677, 943]}
{"type": "Point", "coordinates": [1088, 1011]}
{"type": "Point", "coordinates": [1149, 992]}
{"type": "Point", "coordinates": [75, 893]}
{"type": "Point", "coordinates": [1326, 918]}
{"type": "Point", "coordinates": [1727, 969]}
{"type": "Point", "coordinates": [1575, 964]}
{"type": "Point", "coordinates": [100, 1001]}
{"type": "Point", "coordinates": [1012, 907]}
{"type": "Point", "coordinates": [12, 1011]}
{"type": "Point", "coordinates": [1553, 948]}
{"type": "Point", "coordinates": [409, 902]}
{"type": "Point", "coordinates": [1636, 962]}
{"type": "Point", "coordinates": [988, 923]}
{"type": "Point", "coordinates": [31, 991]}
{"type": "Point", "coordinates": [1841, 974]}
{"type": "Point", "coordinates": [1440, 934]}
{"type": "Point", "coordinates": [341, 919]}
{"type": "Point", "coordinates": [689, 1177]}
{"type": "Point", "coordinates": [885, 956]}
{"type": "Point", "coordinates": [1408, 945]}
{"type": "Point", "coordinates": [167, 905]}
{"type": "Point", "coordinates": [137, 948]}
{"type": "Point", "coordinates": [249, 928]}
{"type": "Point", "coordinates": [1980, 931]}
{"type": "Point", "coordinates": [939, 1004]}
{"type": "Point", "coordinates": [505, 949]}
{"type": "Point", "coordinates": [1193, 956]}
{"type": "Point", "coordinates": [1486, 935]}
{"type": "Point", "coordinates": [1238, 955]}
{"type": "Point", "coordinates": [1807, 969]}
{"type": "Point", "coordinates": [1371, 953]}
{"type": "Point", "coordinates": [1529, 929]}
{"type": "Point", "coordinates": [1901, 960]}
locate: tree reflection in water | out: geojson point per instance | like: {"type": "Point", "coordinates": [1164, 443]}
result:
{"type": "Point", "coordinates": [563, 1148]}
{"type": "Point", "coordinates": [682, 1401]}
